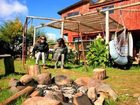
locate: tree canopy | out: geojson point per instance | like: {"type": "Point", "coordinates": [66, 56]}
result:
{"type": "Point", "coordinates": [10, 29]}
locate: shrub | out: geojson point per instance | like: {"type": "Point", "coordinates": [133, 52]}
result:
{"type": "Point", "coordinates": [98, 53]}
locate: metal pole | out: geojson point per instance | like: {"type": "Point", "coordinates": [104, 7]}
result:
{"type": "Point", "coordinates": [107, 26]}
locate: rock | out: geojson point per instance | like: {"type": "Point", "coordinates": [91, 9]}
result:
{"type": "Point", "coordinates": [82, 89]}
{"type": "Point", "coordinates": [92, 94]}
{"type": "Point", "coordinates": [83, 81]}
{"type": "Point", "coordinates": [100, 100]}
{"type": "Point", "coordinates": [14, 89]}
{"type": "Point", "coordinates": [13, 82]}
{"type": "Point", "coordinates": [80, 99]}
{"type": "Point", "coordinates": [26, 79]}
{"type": "Point", "coordinates": [41, 101]}
{"type": "Point", "coordinates": [54, 95]}
{"type": "Point", "coordinates": [94, 83]}
{"type": "Point", "coordinates": [41, 86]}
{"type": "Point", "coordinates": [139, 100]}
{"type": "Point", "coordinates": [62, 80]}
{"type": "Point", "coordinates": [69, 91]}
{"type": "Point", "coordinates": [43, 79]}
{"type": "Point", "coordinates": [107, 89]}
{"type": "Point", "coordinates": [54, 87]}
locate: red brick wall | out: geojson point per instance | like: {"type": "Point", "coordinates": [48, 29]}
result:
{"type": "Point", "coordinates": [131, 20]}
{"type": "Point", "coordinates": [82, 9]}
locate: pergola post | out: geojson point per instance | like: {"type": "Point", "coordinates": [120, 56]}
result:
{"type": "Point", "coordinates": [24, 42]}
{"type": "Point", "coordinates": [62, 29]}
{"type": "Point", "coordinates": [107, 26]}
{"type": "Point", "coordinates": [34, 35]}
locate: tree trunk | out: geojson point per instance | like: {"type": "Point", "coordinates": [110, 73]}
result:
{"type": "Point", "coordinates": [99, 73]}
{"type": "Point", "coordinates": [33, 70]}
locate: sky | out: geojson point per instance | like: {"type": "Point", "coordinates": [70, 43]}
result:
{"type": "Point", "coordinates": [10, 9]}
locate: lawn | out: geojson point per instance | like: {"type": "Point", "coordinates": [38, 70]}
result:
{"type": "Point", "coordinates": [125, 82]}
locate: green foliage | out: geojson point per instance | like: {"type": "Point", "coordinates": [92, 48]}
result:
{"type": "Point", "coordinates": [10, 29]}
{"type": "Point", "coordinates": [71, 56]}
{"type": "Point", "coordinates": [110, 102]}
{"type": "Point", "coordinates": [4, 94]}
{"type": "Point", "coordinates": [98, 53]}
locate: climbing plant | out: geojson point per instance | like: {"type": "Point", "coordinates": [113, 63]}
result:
{"type": "Point", "coordinates": [98, 53]}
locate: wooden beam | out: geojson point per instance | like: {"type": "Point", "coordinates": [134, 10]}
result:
{"type": "Point", "coordinates": [34, 36]}
{"type": "Point", "coordinates": [24, 42]}
{"type": "Point", "coordinates": [26, 91]}
{"type": "Point", "coordinates": [107, 26]}
{"type": "Point", "coordinates": [121, 7]}
{"type": "Point", "coordinates": [43, 18]}
{"type": "Point", "coordinates": [62, 29]}
{"type": "Point", "coordinates": [5, 55]}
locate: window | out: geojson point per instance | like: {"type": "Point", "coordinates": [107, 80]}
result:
{"type": "Point", "coordinates": [107, 7]}
{"type": "Point", "coordinates": [76, 39]}
{"type": "Point", "coordinates": [94, 1]}
{"type": "Point", "coordinates": [73, 14]}
{"type": "Point", "coordinates": [98, 1]}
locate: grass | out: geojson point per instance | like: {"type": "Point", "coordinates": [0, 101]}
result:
{"type": "Point", "coordinates": [124, 82]}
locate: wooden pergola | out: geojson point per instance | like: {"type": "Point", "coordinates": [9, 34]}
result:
{"type": "Point", "coordinates": [95, 21]}
{"type": "Point", "coordinates": [89, 22]}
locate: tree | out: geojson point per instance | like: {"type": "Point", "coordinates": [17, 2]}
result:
{"type": "Point", "coordinates": [11, 29]}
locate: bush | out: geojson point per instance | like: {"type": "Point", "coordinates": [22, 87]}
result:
{"type": "Point", "coordinates": [98, 53]}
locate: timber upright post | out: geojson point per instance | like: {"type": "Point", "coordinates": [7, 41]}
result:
{"type": "Point", "coordinates": [24, 43]}
{"type": "Point", "coordinates": [107, 27]}
{"type": "Point", "coordinates": [62, 29]}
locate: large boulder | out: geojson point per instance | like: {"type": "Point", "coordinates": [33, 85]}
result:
{"type": "Point", "coordinates": [62, 80]}
{"type": "Point", "coordinates": [81, 99]}
{"type": "Point", "coordinates": [92, 94]}
{"type": "Point", "coordinates": [41, 101]}
{"type": "Point", "coordinates": [43, 79]}
{"type": "Point", "coordinates": [82, 81]}
{"type": "Point", "coordinates": [26, 79]}
{"type": "Point", "coordinates": [54, 95]}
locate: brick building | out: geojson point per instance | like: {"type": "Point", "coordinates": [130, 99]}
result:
{"type": "Point", "coordinates": [128, 17]}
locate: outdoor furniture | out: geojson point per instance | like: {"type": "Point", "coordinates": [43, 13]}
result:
{"type": "Point", "coordinates": [8, 63]}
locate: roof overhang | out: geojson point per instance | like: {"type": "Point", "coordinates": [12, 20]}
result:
{"type": "Point", "coordinates": [89, 22]}
{"type": "Point", "coordinates": [82, 2]}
